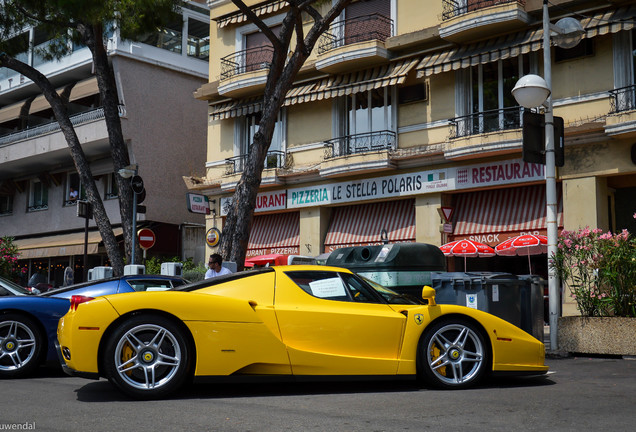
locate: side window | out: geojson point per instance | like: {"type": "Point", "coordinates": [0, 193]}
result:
{"type": "Point", "coordinates": [150, 285]}
{"type": "Point", "coordinates": [333, 286]}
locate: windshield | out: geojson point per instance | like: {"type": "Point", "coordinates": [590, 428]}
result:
{"type": "Point", "coordinates": [13, 288]}
{"type": "Point", "coordinates": [391, 296]}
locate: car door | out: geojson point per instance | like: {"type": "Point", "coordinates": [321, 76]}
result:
{"type": "Point", "coordinates": [333, 324]}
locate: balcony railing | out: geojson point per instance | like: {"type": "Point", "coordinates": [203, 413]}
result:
{"type": "Point", "coordinates": [236, 164]}
{"type": "Point", "coordinates": [453, 8]}
{"type": "Point", "coordinates": [360, 29]}
{"type": "Point", "coordinates": [248, 60]}
{"type": "Point", "coordinates": [485, 122]}
{"type": "Point", "coordinates": [360, 143]}
{"type": "Point", "coordinates": [623, 99]}
{"type": "Point", "coordinates": [53, 126]}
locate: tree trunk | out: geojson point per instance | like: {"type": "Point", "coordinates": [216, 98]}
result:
{"type": "Point", "coordinates": [280, 78]}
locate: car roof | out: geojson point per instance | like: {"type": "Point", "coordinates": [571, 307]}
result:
{"type": "Point", "coordinates": [112, 280]}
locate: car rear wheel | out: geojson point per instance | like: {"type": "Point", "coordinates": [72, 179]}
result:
{"type": "Point", "coordinates": [147, 357]}
{"type": "Point", "coordinates": [20, 345]}
{"type": "Point", "coordinates": [453, 354]}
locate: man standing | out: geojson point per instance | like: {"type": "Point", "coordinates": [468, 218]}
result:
{"type": "Point", "coordinates": [215, 267]}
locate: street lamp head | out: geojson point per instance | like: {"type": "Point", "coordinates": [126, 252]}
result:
{"type": "Point", "coordinates": [531, 91]}
{"type": "Point", "coordinates": [128, 171]}
{"type": "Point", "coordinates": [569, 33]}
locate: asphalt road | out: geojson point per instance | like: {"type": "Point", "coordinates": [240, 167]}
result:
{"type": "Point", "coordinates": [580, 394]}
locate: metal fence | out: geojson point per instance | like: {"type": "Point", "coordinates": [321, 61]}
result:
{"type": "Point", "coordinates": [248, 60]}
{"type": "Point", "coordinates": [236, 164]}
{"type": "Point", "coordinates": [360, 29]}
{"type": "Point", "coordinates": [453, 8]}
{"type": "Point", "coordinates": [360, 143]}
{"type": "Point", "coordinates": [622, 99]}
{"type": "Point", "coordinates": [53, 126]}
{"type": "Point", "coordinates": [485, 122]}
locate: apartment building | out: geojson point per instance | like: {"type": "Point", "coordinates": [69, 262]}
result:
{"type": "Point", "coordinates": [162, 124]}
{"type": "Point", "coordinates": [405, 107]}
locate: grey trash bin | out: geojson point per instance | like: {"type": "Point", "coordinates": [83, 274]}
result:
{"type": "Point", "coordinates": [533, 304]}
{"type": "Point", "coordinates": [496, 293]}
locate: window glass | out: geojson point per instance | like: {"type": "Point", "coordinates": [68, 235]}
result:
{"type": "Point", "coordinates": [369, 111]}
{"type": "Point", "coordinates": [334, 286]}
{"type": "Point", "coordinates": [6, 204]}
{"type": "Point", "coordinates": [150, 285]}
{"type": "Point", "coordinates": [74, 190]}
{"type": "Point", "coordinates": [198, 39]}
{"type": "Point", "coordinates": [38, 196]}
{"type": "Point", "coordinates": [111, 187]}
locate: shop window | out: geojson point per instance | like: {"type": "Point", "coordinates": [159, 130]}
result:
{"type": "Point", "coordinates": [38, 196]}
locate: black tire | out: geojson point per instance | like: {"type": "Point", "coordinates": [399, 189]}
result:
{"type": "Point", "coordinates": [147, 357]}
{"type": "Point", "coordinates": [21, 344]}
{"type": "Point", "coordinates": [453, 354]}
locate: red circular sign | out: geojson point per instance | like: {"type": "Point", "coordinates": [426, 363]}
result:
{"type": "Point", "coordinates": [146, 238]}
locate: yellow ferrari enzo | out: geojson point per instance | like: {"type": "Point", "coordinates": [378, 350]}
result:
{"type": "Point", "coordinates": [290, 321]}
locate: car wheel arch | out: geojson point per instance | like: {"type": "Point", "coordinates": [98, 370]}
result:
{"type": "Point", "coordinates": [455, 317]}
{"type": "Point", "coordinates": [38, 323]}
{"type": "Point", "coordinates": [150, 313]}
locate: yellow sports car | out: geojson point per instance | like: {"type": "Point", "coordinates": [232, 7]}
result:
{"type": "Point", "coordinates": [287, 321]}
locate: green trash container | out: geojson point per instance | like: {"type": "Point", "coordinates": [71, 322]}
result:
{"type": "Point", "coordinates": [403, 267]}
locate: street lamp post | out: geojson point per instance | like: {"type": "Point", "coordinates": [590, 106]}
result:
{"type": "Point", "coordinates": [532, 91]}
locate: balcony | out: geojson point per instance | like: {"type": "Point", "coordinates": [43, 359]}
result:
{"type": "Point", "coordinates": [623, 99]}
{"type": "Point", "coordinates": [358, 41]}
{"type": "Point", "coordinates": [236, 164]}
{"type": "Point", "coordinates": [54, 126]}
{"type": "Point", "coordinates": [466, 20]}
{"type": "Point", "coordinates": [245, 71]}
{"type": "Point", "coordinates": [622, 114]}
{"type": "Point", "coordinates": [360, 143]}
{"type": "Point", "coordinates": [485, 122]}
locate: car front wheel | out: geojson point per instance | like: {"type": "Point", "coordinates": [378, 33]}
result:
{"type": "Point", "coordinates": [20, 345]}
{"type": "Point", "coordinates": [147, 357]}
{"type": "Point", "coordinates": [453, 354]}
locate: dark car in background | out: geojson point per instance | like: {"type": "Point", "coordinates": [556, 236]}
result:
{"type": "Point", "coordinates": [28, 323]}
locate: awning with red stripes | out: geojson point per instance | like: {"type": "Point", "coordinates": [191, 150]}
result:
{"type": "Point", "coordinates": [275, 233]}
{"type": "Point", "coordinates": [361, 225]}
{"type": "Point", "coordinates": [493, 216]}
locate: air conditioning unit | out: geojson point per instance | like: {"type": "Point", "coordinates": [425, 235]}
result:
{"type": "Point", "coordinates": [134, 269]}
{"type": "Point", "coordinates": [171, 269]}
{"type": "Point", "coordinates": [100, 273]}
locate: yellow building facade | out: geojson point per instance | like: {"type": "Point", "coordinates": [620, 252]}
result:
{"type": "Point", "coordinates": [405, 108]}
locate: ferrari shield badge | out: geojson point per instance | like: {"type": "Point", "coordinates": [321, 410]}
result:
{"type": "Point", "coordinates": [419, 318]}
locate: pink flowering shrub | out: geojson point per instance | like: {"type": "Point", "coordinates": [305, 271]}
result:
{"type": "Point", "coordinates": [600, 270]}
{"type": "Point", "coordinates": [8, 259]}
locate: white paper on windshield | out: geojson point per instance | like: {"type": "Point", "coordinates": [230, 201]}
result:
{"type": "Point", "coordinates": [326, 288]}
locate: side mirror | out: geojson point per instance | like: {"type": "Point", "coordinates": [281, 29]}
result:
{"type": "Point", "coordinates": [428, 294]}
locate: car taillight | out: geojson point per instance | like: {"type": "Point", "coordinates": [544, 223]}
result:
{"type": "Point", "coordinates": [76, 300]}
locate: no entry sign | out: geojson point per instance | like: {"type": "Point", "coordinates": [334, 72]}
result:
{"type": "Point", "coordinates": [146, 238]}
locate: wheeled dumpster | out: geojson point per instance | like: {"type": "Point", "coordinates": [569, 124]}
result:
{"type": "Point", "coordinates": [533, 304]}
{"type": "Point", "coordinates": [510, 297]}
{"type": "Point", "coordinates": [403, 267]}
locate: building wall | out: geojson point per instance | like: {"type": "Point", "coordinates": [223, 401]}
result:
{"type": "Point", "coordinates": [166, 133]}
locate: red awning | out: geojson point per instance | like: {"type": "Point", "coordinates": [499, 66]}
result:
{"type": "Point", "coordinates": [360, 225]}
{"type": "Point", "coordinates": [502, 211]}
{"type": "Point", "coordinates": [275, 233]}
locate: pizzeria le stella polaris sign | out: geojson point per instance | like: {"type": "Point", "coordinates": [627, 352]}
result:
{"type": "Point", "coordinates": [401, 185]}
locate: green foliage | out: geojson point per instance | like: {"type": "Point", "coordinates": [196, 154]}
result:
{"type": "Point", "coordinates": [600, 270]}
{"type": "Point", "coordinates": [190, 271]}
{"type": "Point", "coordinates": [9, 259]}
{"type": "Point", "coordinates": [57, 17]}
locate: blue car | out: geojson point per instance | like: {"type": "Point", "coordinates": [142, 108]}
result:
{"type": "Point", "coordinates": [28, 323]}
